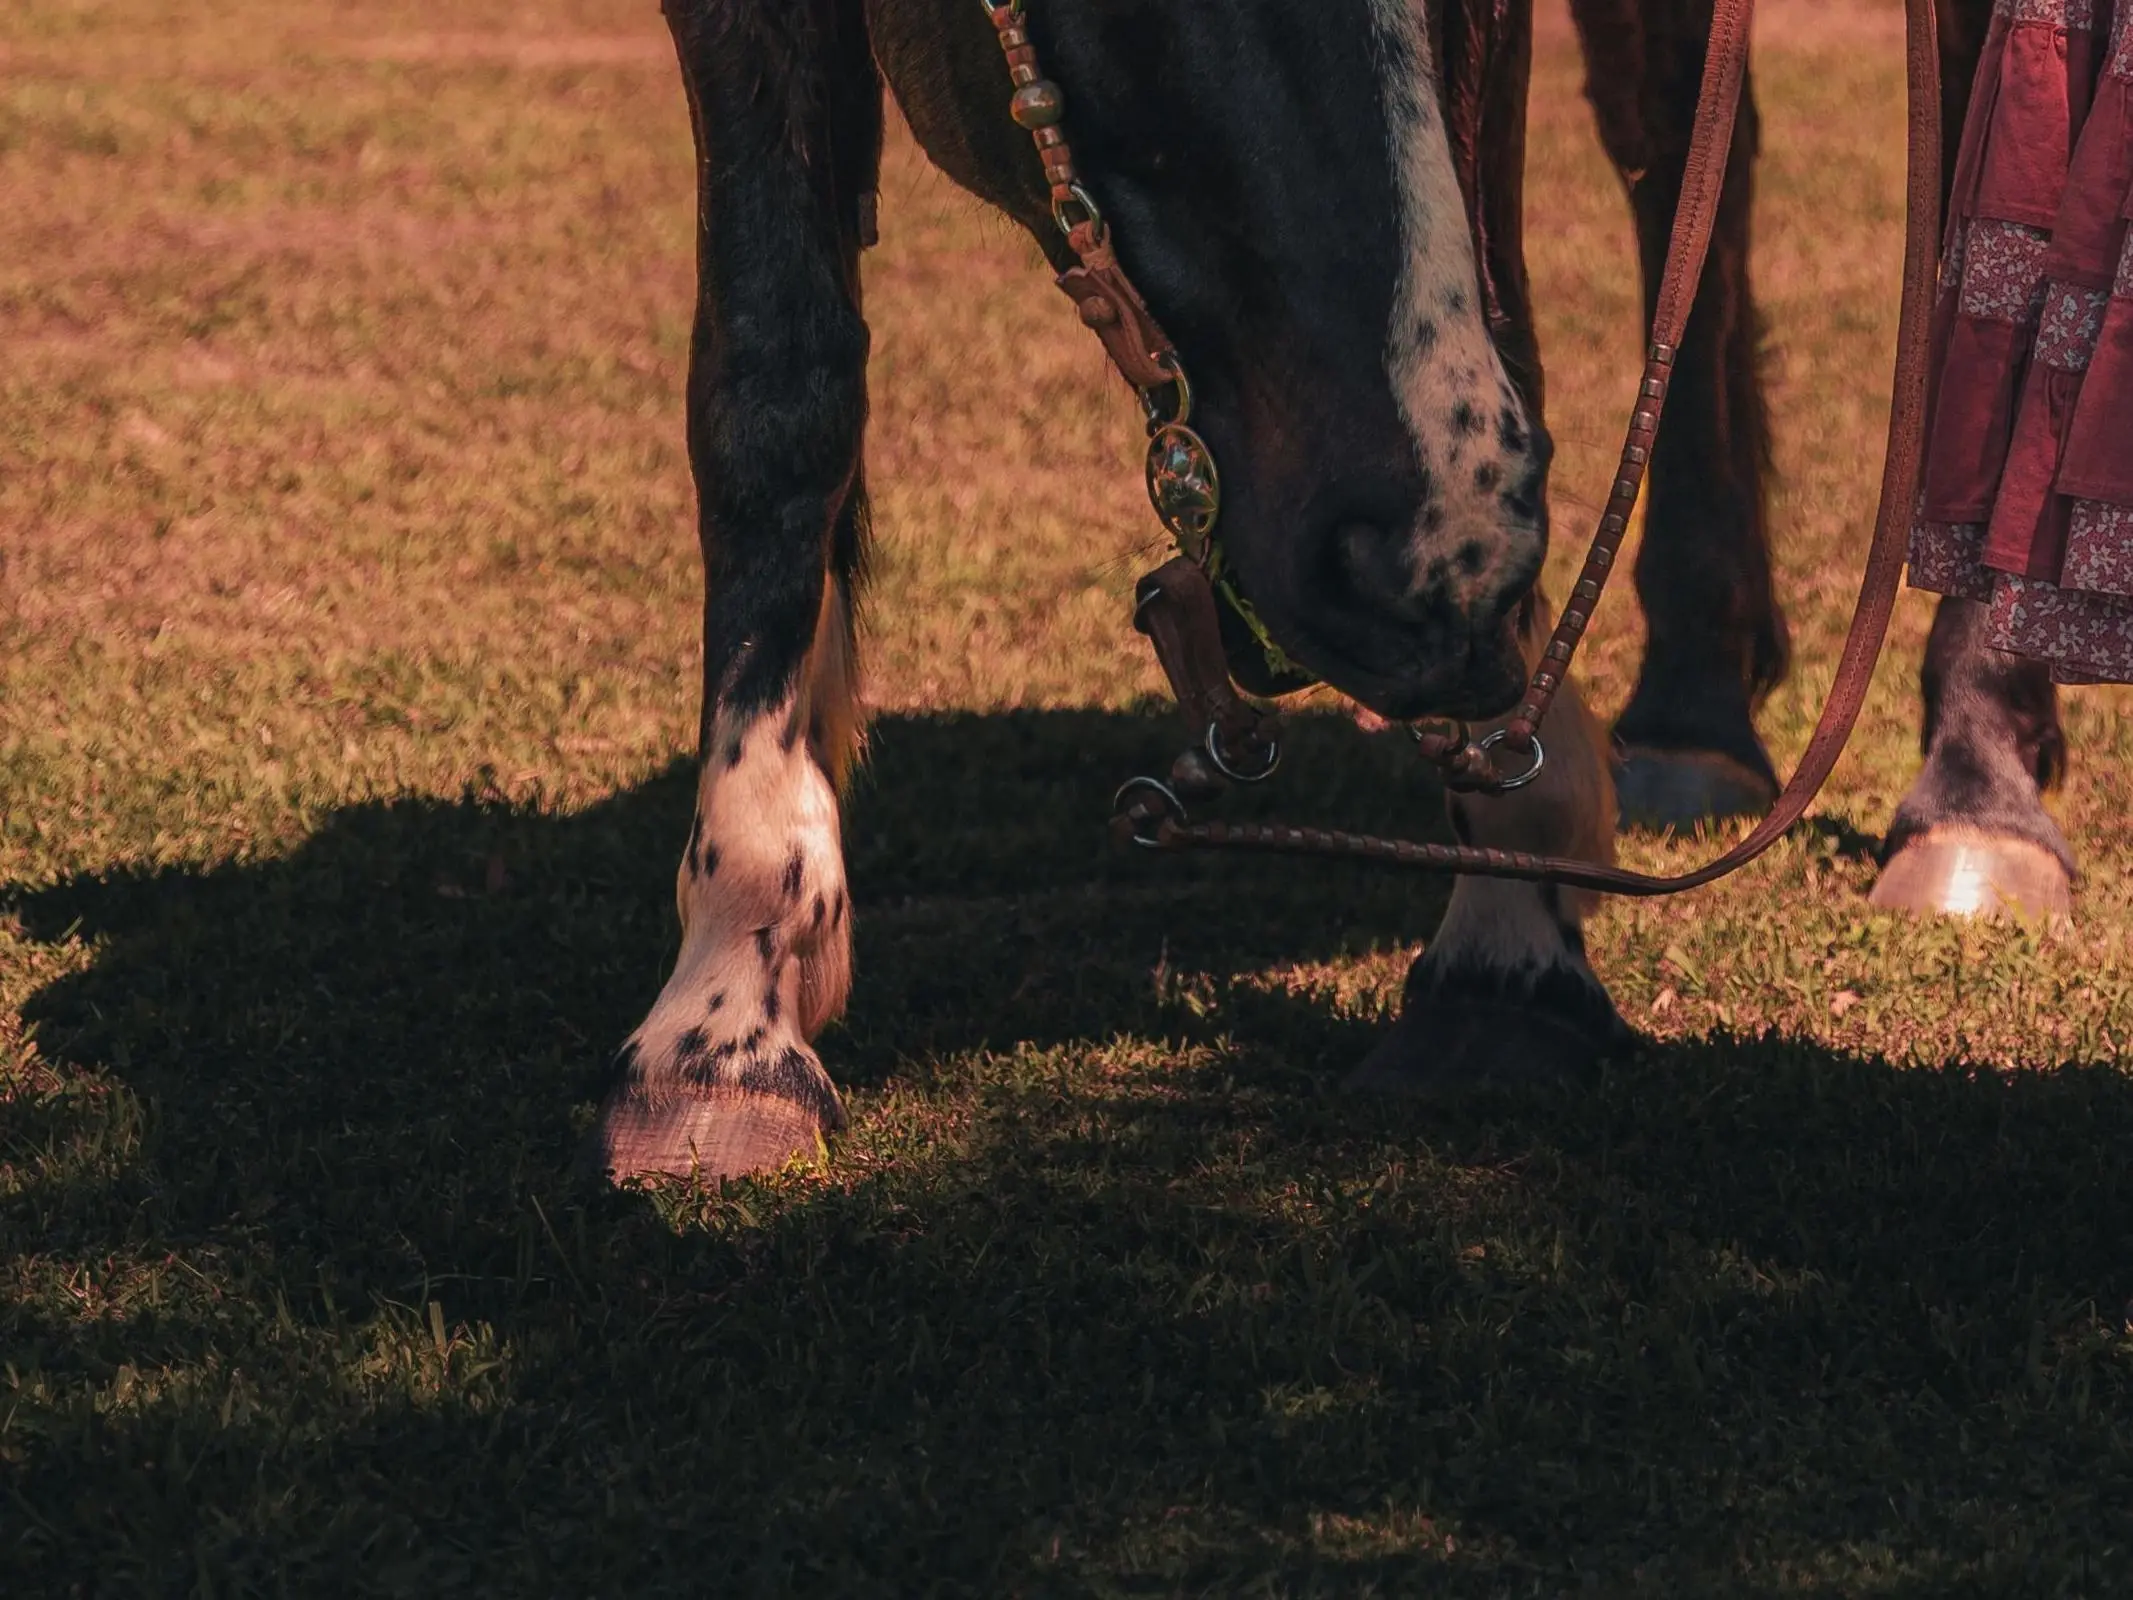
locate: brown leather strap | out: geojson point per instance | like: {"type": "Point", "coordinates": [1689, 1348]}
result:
{"type": "Point", "coordinates": [1110, 305]}
{"type": "Point", "coordinates": [1877, 592]}
{"type": "Point", "coordinates": [1114, 311]}
{"type": "Point", "coordinates": [1703, 180]}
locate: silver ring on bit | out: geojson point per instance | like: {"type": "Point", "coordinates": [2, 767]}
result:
{"type": "Point", "coordinates": [1506, 785]}
{"type": "Point", "coordinates": [1213, 743]}
{"type": "Point", "coordinates": [1170, 799]}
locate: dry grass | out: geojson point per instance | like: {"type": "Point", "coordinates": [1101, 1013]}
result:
{"type": "Point", "coordinates": [347, 654]}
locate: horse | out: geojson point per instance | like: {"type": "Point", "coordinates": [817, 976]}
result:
{"type": "Point", "coordinates": [1323, 206]}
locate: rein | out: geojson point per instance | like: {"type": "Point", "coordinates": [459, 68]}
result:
{"type": "Point", "coordinates": [1176, 606]}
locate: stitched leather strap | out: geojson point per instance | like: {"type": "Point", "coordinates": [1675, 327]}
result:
{"type": "Point", "coordinates": [1703, 180]}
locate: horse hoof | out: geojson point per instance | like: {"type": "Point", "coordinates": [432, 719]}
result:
{"type": "Point", "coordinates": [725, 1136]}
{"type": "Point", "coordinates": [1660, 789]}
{"type": "Point", "coordinates": [1445, 1050]}
{"type": "Point", "coordinates": [1966, 872]}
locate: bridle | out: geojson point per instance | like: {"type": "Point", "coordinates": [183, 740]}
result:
{"type": "Point", "coordinates": [1176, 605]}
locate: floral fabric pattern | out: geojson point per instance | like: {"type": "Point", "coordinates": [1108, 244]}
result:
{"type": "Point", "coordinates": [2027, 499]}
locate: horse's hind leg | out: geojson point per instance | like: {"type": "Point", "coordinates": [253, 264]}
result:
{"type": "Point", "coordinates": [720, 1079]}
{"type": "Point", "coordinates": [1971, 835]}
{"type": "Point", "coordinates": [1717, 640]}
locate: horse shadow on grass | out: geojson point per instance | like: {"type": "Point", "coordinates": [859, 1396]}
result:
{"type": "Point", "coordinates": [1159, 1312]}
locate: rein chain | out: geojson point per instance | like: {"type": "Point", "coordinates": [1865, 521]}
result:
{"type": "Point", "coordinates": [1176, 606]}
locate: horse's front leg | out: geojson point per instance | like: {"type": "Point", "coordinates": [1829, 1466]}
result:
{"type": "Point", "coordinates": [719, 1078]}
{"type": "Point", "coordinates": [1502, 993]}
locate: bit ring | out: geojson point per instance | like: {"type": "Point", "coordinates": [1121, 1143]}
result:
{"type": "Point", "coordinates": [1157, 787]}
{"type": "Point", "coordinates": [1506, 785]}
{"type": "Point", "coordinates": [1213, 745]}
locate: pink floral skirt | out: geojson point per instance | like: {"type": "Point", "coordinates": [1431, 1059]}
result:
{"type": "Point", "coordinates": [2027, 497]}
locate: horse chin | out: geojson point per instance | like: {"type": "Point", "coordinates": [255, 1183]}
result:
{"type": "Point", "coordinates": [1485, 681]}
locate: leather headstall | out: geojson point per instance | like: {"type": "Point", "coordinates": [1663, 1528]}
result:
{"type": "Point", "coordinates": [1177, 605]}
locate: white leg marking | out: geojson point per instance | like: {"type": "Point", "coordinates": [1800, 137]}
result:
{"type": "Point", "coordinates": [1471, 432]}
{"type": "Point", "coordinates": [720, 1074]}
{"type": "Point", "coordinates": [1522, 930]}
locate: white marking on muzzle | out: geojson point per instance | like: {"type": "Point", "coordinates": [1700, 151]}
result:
{"type": "Point", "coordinates": [1447, 379]}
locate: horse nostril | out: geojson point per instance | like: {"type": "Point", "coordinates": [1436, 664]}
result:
{"type": "Point", "coordinates": [1523, 497]}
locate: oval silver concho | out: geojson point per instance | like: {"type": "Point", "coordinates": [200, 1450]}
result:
{"type": "Point", "coordinates": [1184, 486]}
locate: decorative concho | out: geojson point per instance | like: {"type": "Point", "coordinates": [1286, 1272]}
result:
{"type": "Point", "coordinates": [1183, 484]}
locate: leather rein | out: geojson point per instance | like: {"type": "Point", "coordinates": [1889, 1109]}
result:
{"type": "Point", "coordinates": [1178, 605]}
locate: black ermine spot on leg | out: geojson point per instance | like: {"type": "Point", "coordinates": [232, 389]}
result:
{"type": "Point", "coordinates": [703, 1072]}
{"type": "Point", "coordinates": [1509, 433]}
{"type": "Point", "coordinates": [1487, 476]}
{"type": "Point", "coordinates": [1466, 420]}
{"type": "Point", "coordinates": [793, 868]}
{"type": "Point", "coordinates": [711, 1006]}
{"type": "Point", "coordinates": [793, 1075]}
{"type": "Point", "coordinates": [821, 911]}
{"type": "Point", "coordinates": [1432, 517]}
{"type": "Point", "coordinates": [1470, 557]}
{"type": "Point", "coordinates": [690, 1048]}
{"type": "Point", "coordinates": [753, 1042]}
{"type": "Point", "coordinates": [1425, 336]}
{"type": "Point", "coordinates": [771, 1003]}
{"type": "Point", "coordinates": [1455, 303]}
{"type": "Point", "coordinates": [766, 944]}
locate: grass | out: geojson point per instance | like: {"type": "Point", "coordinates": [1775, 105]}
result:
{"type": "Point", "coordinates": [347, 668]}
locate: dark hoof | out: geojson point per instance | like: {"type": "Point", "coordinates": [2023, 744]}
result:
{"type": "Point", "coordinates": [1679, 789]}
{"type": "Point", "coordinates": [725, 1136]}
{"type": "Point", "coordinates": [1966, 872]}
{"type": "Point", "coordinates": [1447, 1049]}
